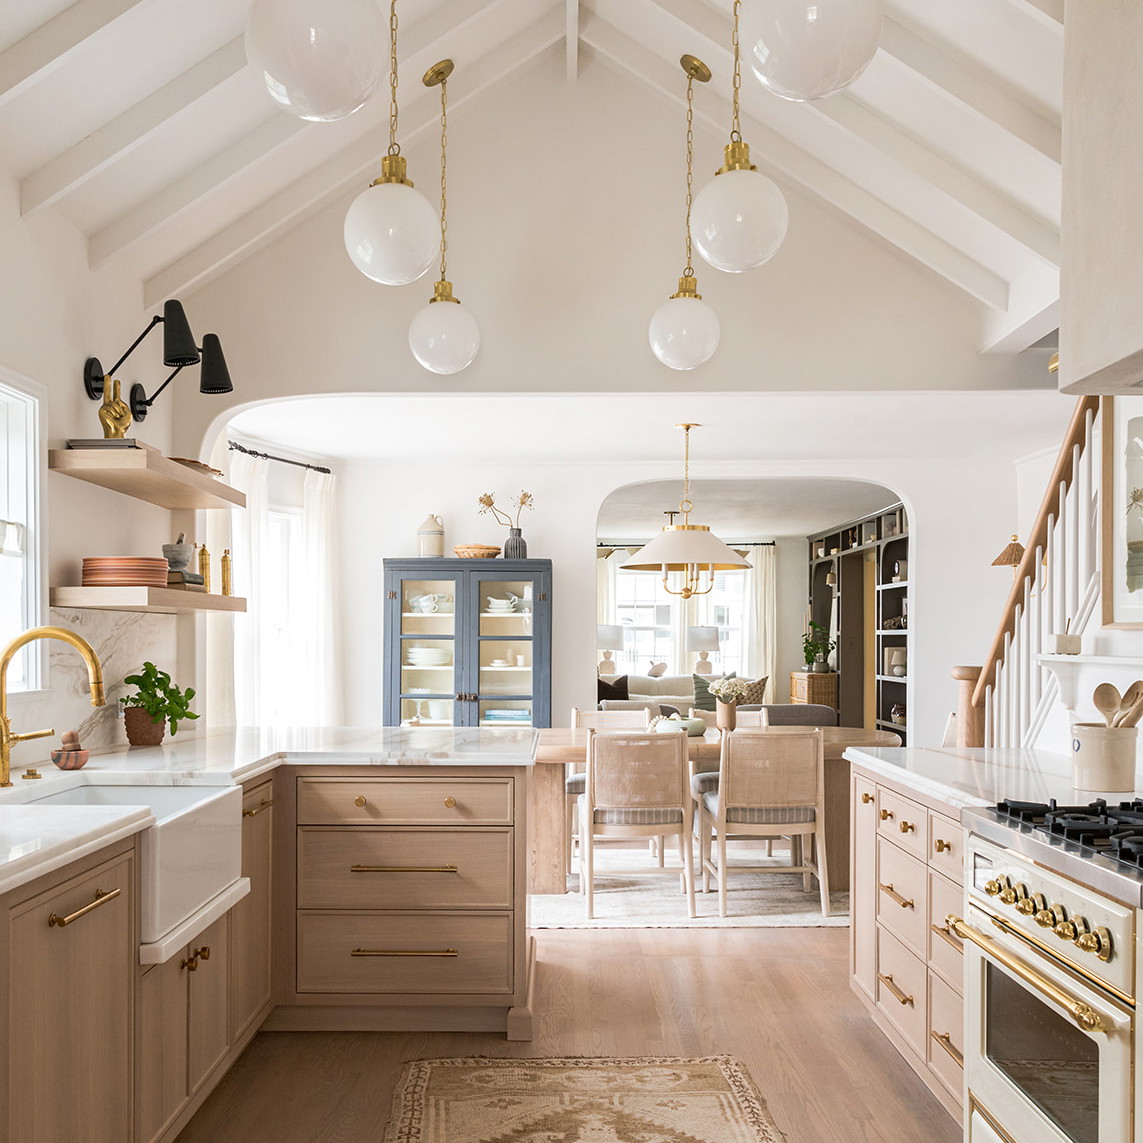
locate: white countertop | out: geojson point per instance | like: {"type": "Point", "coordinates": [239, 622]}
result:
{"type": "Point", "coordinates": [967, 777]}
{"type": "Point", "coordinates": [37, 839]}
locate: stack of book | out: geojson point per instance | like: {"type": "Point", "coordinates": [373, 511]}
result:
{"type": "Point", "coordinates": [185, 581]}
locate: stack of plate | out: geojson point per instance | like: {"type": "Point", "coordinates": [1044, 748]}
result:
{"type": "Point", "coordinates": [428, 656]}
{"type": "Point", "coordinates": [124, 571]}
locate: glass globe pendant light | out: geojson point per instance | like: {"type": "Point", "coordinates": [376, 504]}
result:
{"type": "Point", "coordinates": [740, 217]}
{"type": "Point", "coordinates": [391, 231]}
{"type": "Point", "coordinates": [684, 330]}
{"type": "Point", "coordinates": [319, 59]}
{"type": "Point", "coordinates": [808, 49]}
{"type": "Point", "coordinates": [444, 337]}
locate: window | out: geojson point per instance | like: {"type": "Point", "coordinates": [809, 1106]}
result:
{"type": "Point", "coordinates": [19, 534]}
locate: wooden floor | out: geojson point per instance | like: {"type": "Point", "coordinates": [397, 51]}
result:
{"type": "Point", "coordinates": [777, 999]}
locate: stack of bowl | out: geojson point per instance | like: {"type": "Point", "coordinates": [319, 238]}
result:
{"type": "Point", "coordinates": [501, 606]}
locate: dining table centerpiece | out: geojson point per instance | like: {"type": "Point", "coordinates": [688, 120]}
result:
{"type": "Point", "coordinates": [728, 692]}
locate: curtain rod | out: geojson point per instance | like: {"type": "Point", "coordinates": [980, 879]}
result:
{"type": "Point", "coordinates": [235, 447]}
{"type": "Point", "coordinates": [729, 544]}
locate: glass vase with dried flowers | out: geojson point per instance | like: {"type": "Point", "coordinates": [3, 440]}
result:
{"type": "Point", "coordinates": [515, 547]}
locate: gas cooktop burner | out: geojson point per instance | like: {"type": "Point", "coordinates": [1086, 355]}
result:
{"type": "Point", "coordinates": [1113, 831]}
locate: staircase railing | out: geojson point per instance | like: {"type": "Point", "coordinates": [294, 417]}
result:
{"type": "Point", "coordinates": [1056, 583]}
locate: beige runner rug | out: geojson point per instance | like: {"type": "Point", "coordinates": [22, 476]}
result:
{"type": "Point", "coordinates": [644, 1099]}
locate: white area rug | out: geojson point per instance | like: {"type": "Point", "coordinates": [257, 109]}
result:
{"type": "Point", "coordinates": [631, 892]}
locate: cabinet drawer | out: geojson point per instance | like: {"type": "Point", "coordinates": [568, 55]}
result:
{"type": "Point", "coordinates": [904, 821]}
{"type": "Point", "coordinates": [902, 981]}
{"type": "Point", "coordinates": [401, 801]}
{"type": "Point", "coordinates": [946, 954]}
{"type": "Point", "coordinates": [388, 953]}
{"type": "Point", "coordinates": [946, 1035]}
{"type": "Point", "coordinates": [946, 847]}
{"type": "Point", "coordinates": [370, 868]}
{"type": "Point", "coordinates": [903, 895]}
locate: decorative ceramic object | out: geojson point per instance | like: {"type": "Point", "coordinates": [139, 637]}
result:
{"type": "Point", "coordinates": [515, 547]}
{"type": "Point", "coordinates": [725, 715]}
{"type": "Point", "coordinates": [70, 756]}
{"type": "Point", "coordinates": [897, 714]}
{"type": "Point", "coordinates": [141, 731]}
{"type": "Point", "coordinates": [656, 670]}
{"type": "Point", "coordinates": [430, 537]}
{"type": "Point", "coordinates": [178, 555]}
{"type": "Point", "coordinates": [703, 666]}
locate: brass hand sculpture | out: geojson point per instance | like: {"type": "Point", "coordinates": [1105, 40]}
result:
{"type": "Point", "coordinates": [114, 413]}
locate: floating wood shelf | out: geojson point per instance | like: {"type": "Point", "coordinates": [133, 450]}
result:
{"type": "Point", "coordinates": [165, 600]}
{"type": "Point", "coordinates": [146, 474]}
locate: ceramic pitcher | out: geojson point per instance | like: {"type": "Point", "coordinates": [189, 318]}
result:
{"type": "Point", "coordinates": [430, 537]}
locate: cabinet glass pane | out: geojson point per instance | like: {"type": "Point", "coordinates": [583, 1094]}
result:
{"type": "Point", "coordinates": [505, 668]}
{"type": "Point", "coordinates": [433, 711]}
{"type": "Point", "coordinates": [505, 712]}
{"type": "Point", "coordinates": [505, 608]}
{"type": "Point", "coordinates": [428, 607]}
{"type": "Point", "coordinates": [427, 667]}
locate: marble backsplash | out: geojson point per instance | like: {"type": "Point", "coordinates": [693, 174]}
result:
{"type": "Point", "coordinates": [123, 640]}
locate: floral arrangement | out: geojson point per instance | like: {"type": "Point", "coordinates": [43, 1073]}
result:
{"type": "Point", "coordinates": [487, 505]}
{"type": "Point", "coordinates": [729, 690]}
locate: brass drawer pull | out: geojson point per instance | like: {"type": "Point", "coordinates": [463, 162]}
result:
{"type": "Point", "coordinates": [404, 869]}
{"type": "Point", "coordinates": [945, 1041]}
{"type": "Point", "coordinates": [450, 803]}
{"type": "Point", "coordinates": [908, 827]}
{"type": "Point", "coordinates": [359, 801]}
{"type": "Point", "coordinates": [942, 846]}
{"type": "Point", "coordinates": [886, 815]}
{"type": "Point", "coordinates": [202, 953]}
{"type": "Point", "coordinates": [866, 799]}
{"type": "Point", "coordinates": [403, 952]}
{"type": "Point", "coordinates": [262, 805]}
{"type": "Point", "coordinates": [901, 997]}
{"type": "Point", "coordinates": [946, 934]}
{"type": "Point", "coordinates": [101, 898]}
{"type": "Point", "coordinates": [190, 965]}
{"type": "Point", "coordinates": [904, 902]}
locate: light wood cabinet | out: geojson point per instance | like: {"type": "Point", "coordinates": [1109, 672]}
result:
{"type": "Point", "coordinates": [250, 943]}
{"type": "Point", "coordinates": [907, 863]}
{"type": "Point", "coordinates": [70, 942]}
{"type": "Point", "coordinates": [814, 687]}
{"type": "Point", "coordinates": [400, 900]}
{"type": "Point", "coordinates": [183, 1031]}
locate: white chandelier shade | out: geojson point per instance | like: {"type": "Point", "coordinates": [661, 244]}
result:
{"type": "Point", "coordinates": [681, 546]}
{"type": "Point", "coordinates": [392, 233]}
{"type": "Point", "coordinates": [320, 60]}
{"type": "Point", "coordinates": [804, 50]}
{"type": "Point", "coordinates": [739, 220]}
{"type": "Point", "coordinates": [684, 332]}
{"type": "Point", "coordinates": [444, 337]}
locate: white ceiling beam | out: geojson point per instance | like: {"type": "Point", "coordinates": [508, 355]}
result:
{"type": "Point", "coordinates": [333, 178]}
{"type": "Point", "coordinates": [75, 166]}
{"type": "Point", "coordinates": [436, 34]}
{"type": "Point", "coordinates": [571, 35]}
{"type": "Point", "coordinates": [974, 86]}
{"type": "Point", "coordinates": [52, 43]}
{"type": "Point", "coordinates": [1053, 9]}
{"type": "Point", "coordinates": [776, 152]}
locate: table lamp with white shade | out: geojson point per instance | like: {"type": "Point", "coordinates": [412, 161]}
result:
{"type": "Point", "coordinates": [703, 640]}
{"type": "Point", "coordinates": [608, 638]}
{"type": "Point", "coordinates": [898, 662]}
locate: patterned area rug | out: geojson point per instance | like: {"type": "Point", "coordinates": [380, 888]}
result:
{"type": "Point", "coordinates": [579, 1100]}
{"type": "Point", "coordinates": [631, 892]}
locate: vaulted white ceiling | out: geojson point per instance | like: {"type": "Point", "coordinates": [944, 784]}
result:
{"type": "Point", "coordinates": [141, 123]}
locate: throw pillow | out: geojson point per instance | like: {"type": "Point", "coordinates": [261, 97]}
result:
{"type": "Point", "coordinates": [656, 669]}
{"type": "Point", "coordinates": [704, 700]}
{"type": "Point", "coordinates": [613, 689]}
{"type": "Point", "coordinates": [755, 692]}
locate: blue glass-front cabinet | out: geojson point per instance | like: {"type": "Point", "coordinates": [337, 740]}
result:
{"type": "Point", "coordinates": [468, 642]}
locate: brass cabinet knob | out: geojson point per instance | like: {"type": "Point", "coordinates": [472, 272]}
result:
{"type": "Point", "coordinates": [866, 799]}
{"type": "Point", "coordinates": [886, 815]}
{"type": "Point", "coordinates": [1098, 942]}
{"type": "Point", "coordinates": [908, 827]}
{"type": "Point", "coordinates": [202, 953]}
{"type": "Point", "coordinates": [190, 965]}
{"type": "Point", "coordinates": [942, 846]}
{"type": "Point", "coordinates": [359, 801]}
{"type": "Point", "coordinates": [450, 803]}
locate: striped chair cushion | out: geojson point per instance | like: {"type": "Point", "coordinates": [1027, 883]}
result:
{"type": "Point", "coordinates": [575, 784]}
{"type": "Point", "coordinates": [759, 815]}
{"type": "Point", "coordinates": [704, 782]}
{"type": "Point", "coordinates": [670, 815]}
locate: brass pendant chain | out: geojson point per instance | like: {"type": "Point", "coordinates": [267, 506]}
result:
{"type": "Point", "coordinates": [394, 146]}
{"type": "Point", "coordinates": [685, 504]}
{"type": "Point", "coordinates": [690, 271]}
{"type": "Point", "coordinates": [735, 125]}
{"type": "Point", "coordinates": [444, 198]}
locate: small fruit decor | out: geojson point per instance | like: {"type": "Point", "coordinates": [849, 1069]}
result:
{"type": "Point", "coordinates": [70, 755]}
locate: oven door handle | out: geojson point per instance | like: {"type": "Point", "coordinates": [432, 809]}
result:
{"type": "Point", "coordinates": [1083, 1014]}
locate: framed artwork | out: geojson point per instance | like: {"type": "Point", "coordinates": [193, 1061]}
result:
{"type": "Point", "coordinates": [1121, 512]}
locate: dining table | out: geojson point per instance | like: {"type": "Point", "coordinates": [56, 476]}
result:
{"type": "Point", "coordinates": [559, 746]}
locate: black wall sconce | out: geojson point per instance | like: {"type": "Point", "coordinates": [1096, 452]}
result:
{"type": "Point", "coordinates": [179, 351]}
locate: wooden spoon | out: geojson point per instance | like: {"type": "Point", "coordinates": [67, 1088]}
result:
{"type": "Point", "coordinates": [1130, 697]}
{"type": "Point", "coordinates": [1106, 700]}
{"type": "Point", "coordinates": [1132, 716]}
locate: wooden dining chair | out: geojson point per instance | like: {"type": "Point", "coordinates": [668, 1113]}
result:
{"type": "Point", "coordinates": [637, 787]}
{"type": "Point", "coordinates": [771, 783]}
{"type": "Point", "coordinates": [575, 779]}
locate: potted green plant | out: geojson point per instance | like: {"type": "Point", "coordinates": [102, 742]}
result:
{"type": "Point", "coordinates": [816, 646]}
{"type": "Point", "coordinates": [156, 702]}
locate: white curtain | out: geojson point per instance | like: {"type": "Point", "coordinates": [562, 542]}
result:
{"type": "Point", "coordinates": [314, 617]}
{"type": "Point", "coordinates": [761, 615]}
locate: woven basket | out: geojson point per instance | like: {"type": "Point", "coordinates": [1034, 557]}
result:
{"type": "Point", "coordinates": [477, 551]}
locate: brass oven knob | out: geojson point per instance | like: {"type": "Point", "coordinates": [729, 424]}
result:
{"type": "Point", "coordinates": [1014, 894]}
{"type": "Point", "coordinates": [1030, 906]}
{"type": "Point", "coordinates": [1098, 942]}
{"type": "Point", "coordinates": [993, 887]}
{"type": "Point", "coordinates": [1052, 916]}
{"type": "Point", "coordinates": [1071, 930]}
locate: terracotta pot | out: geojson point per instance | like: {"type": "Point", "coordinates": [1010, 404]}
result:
{"type": "Point", "coordinates": [141, 731]}
{"type": "Point", "coordinates": [725, 715]}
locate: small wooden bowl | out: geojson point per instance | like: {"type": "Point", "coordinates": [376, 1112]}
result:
{"type": "Point", "coordinates": [477, 551]}
{"type": "Point", "coordinates": [70, 759]}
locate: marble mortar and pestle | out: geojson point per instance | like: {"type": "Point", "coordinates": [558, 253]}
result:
{"type": "Point", "coordinates": [178, 555]}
